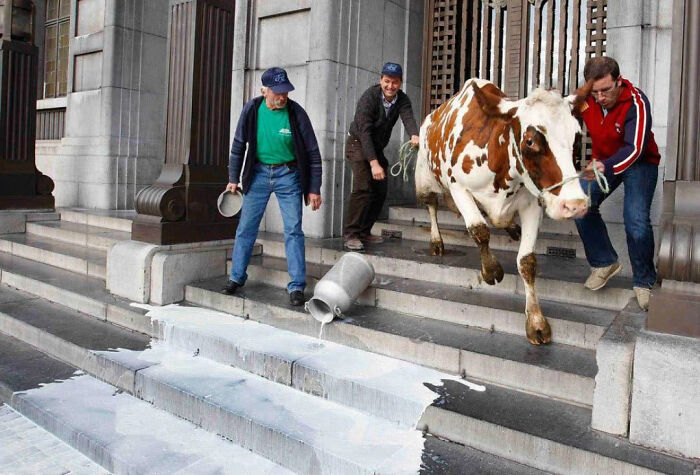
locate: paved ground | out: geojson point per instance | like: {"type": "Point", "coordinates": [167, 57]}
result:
{"type": "Point", "coordinates": [26, 448]}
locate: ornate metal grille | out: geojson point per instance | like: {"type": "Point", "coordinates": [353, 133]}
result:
{"type": "Point", "coordinates": [516, 44]}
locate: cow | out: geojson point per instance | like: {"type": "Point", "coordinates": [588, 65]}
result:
{"type": "Point", "coordinates": [487, 155]}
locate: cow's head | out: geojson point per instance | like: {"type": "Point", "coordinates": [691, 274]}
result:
{"type": "Point", "coordinates": [545, 128]}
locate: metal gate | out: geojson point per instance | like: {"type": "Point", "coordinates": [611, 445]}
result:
{"type": "Point", "coordinates": [516, 44]}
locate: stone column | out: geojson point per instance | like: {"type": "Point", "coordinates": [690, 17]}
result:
{"type": "Point", "coordinates": [22, 186]}
{"type": "Point", "coordinates": [180, 206]}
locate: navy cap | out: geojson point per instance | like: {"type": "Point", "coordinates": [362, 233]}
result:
{"type": "Point", "coordinates": [392, 69]}
{"type": "Point", "coordinates": [276, 79]}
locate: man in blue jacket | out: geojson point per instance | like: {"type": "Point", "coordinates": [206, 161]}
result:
{"type": "Point", "coordinates": [282, 157]}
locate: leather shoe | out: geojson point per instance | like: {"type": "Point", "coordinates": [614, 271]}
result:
{"type": "Point", "coordinates": [230, 288]}
{"type": "Point", "coordinates": [354, 244]}
{"type": "Point", "coordinates": [296, 298]}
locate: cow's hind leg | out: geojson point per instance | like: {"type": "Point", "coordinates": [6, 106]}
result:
{"type": "Point", "coordinates": [491, 269]}
{"type": "Point", "coordinates": [437, 248]}
{"type": "Point", "coordinates": [536, 326]}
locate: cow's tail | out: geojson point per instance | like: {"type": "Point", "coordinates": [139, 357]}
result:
{"type": "Point", "coordinates": [427, 186]}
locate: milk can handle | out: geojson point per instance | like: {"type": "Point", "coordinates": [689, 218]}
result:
{"type": "Point", "coordinates": [337, 311]}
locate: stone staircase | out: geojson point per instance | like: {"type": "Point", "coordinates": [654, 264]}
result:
{"type": "Point", "coordinates": [242, 384]}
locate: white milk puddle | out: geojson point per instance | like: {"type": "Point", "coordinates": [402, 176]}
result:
{"type": "Point", "coordinates": [189, 328]}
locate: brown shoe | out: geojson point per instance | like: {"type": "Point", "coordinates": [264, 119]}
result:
{"type": "Point", "coordinates": [371, 239]}
{"type": "Point", "coordinates": [354, 244]}
{"type": "Point", "coordinates": [601, 275]}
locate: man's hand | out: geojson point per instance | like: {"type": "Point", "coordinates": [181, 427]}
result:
{"type": "Point", "coordinates": [377, 170]}
{"type": "Point", "coordinates": [315, 201]}
{"type": "Point", "coordinates": [414, 140]}
{"type": "Point", "coordinates": [588, 173]}
{"type": "Point", "coordinates": [232, 187]}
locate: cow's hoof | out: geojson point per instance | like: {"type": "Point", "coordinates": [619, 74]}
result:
{"type": "Point", "coordinates": [492, 272]}
{"type": "Point", "coordinates": [437, 248]}
{"type": "Point", "coordinates": [514, 231]}
{"type": "Point", "coordinates": [538, 331]}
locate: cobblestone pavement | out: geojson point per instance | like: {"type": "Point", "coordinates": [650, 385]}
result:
{"type": "Point", "coordinates": [26, 448]}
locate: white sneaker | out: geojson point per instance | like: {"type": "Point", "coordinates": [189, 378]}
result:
{"type": "Point", "coordinates": [643, 295]}
{"type": "Point", "coordinates": [601, 275]}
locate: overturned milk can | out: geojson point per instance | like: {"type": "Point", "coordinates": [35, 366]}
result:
{"type": "Point", "coordinates": [338, 289]}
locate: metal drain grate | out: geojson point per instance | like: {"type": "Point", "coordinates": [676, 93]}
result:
{"type": "Point", "coordinates": [391, 234]}
{"type": "Point", "coordinates": [561, 252]}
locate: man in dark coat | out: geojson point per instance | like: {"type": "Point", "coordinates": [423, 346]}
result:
{"type": "Point", "coordinates": [377, 111]}
{"type": "Point", "coordinates": [282, 157]}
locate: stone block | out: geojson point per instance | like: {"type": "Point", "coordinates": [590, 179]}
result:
{"type": "Point", "coordinates": [129, 270]}
{"type": "Point", "coordinates": [12, 222]}
{"type": "Point", "coordinates": [90, 17]}
{"type": "Point", "coordinates": [291, 30]}
{"type": "Point", "coordinates": [666, 394]}
{"type": "Point", "coordinates": [625, 45]}
{"type": "Point", "coordinates": [171, 271]}
{"type": "Point", "coordinates": [613, 382]}
{"type": "Point", "coordinates": [624, 13]}
{"type": "Point", "coordinates": [87, 72]}
{"type": "Point", "coordinates": [84, 114]}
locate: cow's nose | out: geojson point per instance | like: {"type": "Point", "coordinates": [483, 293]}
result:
{"type": "Point", "coordinates": [575, 208]}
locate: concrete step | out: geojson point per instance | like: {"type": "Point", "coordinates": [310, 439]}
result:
{"type": "Point", "coordinates": [80, 259]}
{"type": "Point", "coordinates": [121, 433]}
{"type": "Point", "coordinates": [246, 344]}
{"type": "Point", "coordinates": [558, 279]}
{"type": "Point", "coordinates": [580, 326]}
{"type": "Point", "coordinates": [26, 448]}
{"type": "Point", "coordinates": [79, 234]}
{"type": "Point", "coordinates": [540, 432]}
{"type": "Point", "coordinates": [116, 220]}
{"type": "Point", "coordinates": [80, 292]}
{"type": "Point", "coordinates": [547, 243]}
{"type": "Point", "coordinates": [297, 430]}
{"type": "Point", "coordinates": [419, 214]}
{"type": "Point", "coordinates": [555, 370]}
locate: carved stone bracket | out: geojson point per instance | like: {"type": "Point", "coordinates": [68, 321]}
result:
{"type": "Point", "coordinates": [495, 3]}
{"type": "Point", "coordinates": [180, 206]}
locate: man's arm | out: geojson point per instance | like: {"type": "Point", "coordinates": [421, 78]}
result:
{"type": "Point", "coordinates": [637, 133]}
{"type": "Point", "coordinates": [364, 120]}
{"type": "Point", "coordinates": [406, 114]}
{"type": "Point", "coordinates": [235, 158]}
{"type": "Point", "coordinates": [312, 151]}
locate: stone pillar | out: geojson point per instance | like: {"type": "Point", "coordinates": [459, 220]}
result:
{"type": "Point", "coordinates": [22, 186]}
{"type": "Point", "coordinates": [180, 206]}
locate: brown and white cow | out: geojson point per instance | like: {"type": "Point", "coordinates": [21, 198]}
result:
{"type": "Point", "coordinates": [472, 149]}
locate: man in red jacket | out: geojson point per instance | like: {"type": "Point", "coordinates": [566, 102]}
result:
{"type": "Point", "coordinates": [618, 118]}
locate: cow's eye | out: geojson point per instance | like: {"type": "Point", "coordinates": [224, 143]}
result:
{"type": "Point", "coordinates": [529, 142]}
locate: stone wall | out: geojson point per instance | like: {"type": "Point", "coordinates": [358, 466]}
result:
{"type": "Point", "coordinates": [113, 143]}
{"type": "Point", "coordinates": [333, 50]}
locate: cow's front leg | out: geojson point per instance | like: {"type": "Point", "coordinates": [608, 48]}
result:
{"type": "Point", "coordinates": [437, 248]}
{"type": "Point", "coordinates": [536, 326]}
{"type": "Point", "coordinates": [491, 269]}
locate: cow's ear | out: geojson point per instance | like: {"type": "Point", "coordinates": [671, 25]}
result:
{"type": "Point", "coordinates": [494, 105]}
{"type": "Point", "coordinates": [577, 100]}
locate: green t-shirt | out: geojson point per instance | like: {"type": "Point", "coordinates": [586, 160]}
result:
{"type": "Point", "coordinates": [275, 143]}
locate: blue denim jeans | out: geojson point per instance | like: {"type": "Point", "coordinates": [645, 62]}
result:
{"type": "Point", "coordinates": [640, 183]}
{"type": "Point", "coordinates": [284, 183]}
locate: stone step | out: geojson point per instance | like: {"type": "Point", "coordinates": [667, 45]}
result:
{"type": "Point", "coordinates": [540, 432]}
{"type": "Point", "coordinates": [120, 432]}
{"type": "Point", "coordinates": [297, 430]}
{"type": "Point", "coordinates": [26, 448]}
{"type": "Point", "coordinates": [419, 214]}
{"type": "Point", "coordinates": [76, 258]}
{"type": "Point", "coordinates": [116, 220]}
{"type": "Point", "coordinates": [571, 325]}
{"type": "Point", "coordinates": [558, 279]}
{"type": "Point", "coordinates": [555, 370]}
{"type": "Point", "coordinates": [547, 243]}
{"type": "Point", "coordinates": [79, 234]}
{"type": "Point", "coordinates": [80, 292]}
{"type": "Point", "coordinates": [256, 348]}
{"type": "Point", "coordinates": [15, 220]}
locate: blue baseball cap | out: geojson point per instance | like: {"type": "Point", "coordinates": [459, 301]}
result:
{"type": "Point", "coordinates": [392, 69]}
{"type": "Point", "coordinates": [276, 79]}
